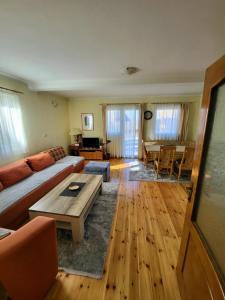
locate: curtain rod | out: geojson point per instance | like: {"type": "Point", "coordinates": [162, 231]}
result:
{"type": "Point", "coordinates": [14, 91]}
{"type": "Point", "coordinates": [122, 103]}
{"type": "Point", "coordinates": [145, 103]}
{"type": "Point", "coordinates": [168, 102]}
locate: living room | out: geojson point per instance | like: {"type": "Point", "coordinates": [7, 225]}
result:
{"type": "Point", "coordinates": [111, 134]}
{"type": "Point", "coordinates": [60, 114]}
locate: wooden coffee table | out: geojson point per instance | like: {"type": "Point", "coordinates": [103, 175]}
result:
{"type": "Point", "coordinates": [69, 212]}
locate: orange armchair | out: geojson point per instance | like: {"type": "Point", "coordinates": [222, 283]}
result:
{"type": "Point", "coordinates": [28, 260]}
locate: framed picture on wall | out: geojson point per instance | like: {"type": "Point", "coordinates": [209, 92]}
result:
{"type": "Point", "coordinates": [87, 120]}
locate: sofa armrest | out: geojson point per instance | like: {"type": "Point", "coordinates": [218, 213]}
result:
{"type": "Point", "coordinates": [28, 260]}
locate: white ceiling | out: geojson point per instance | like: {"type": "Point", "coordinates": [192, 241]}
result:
{"type": "Point", "coordinates": [81, 47]}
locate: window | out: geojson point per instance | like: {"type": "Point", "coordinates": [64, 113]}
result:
{"type": "Point", "coordinates": [113, 118]}
{"type": "Point", "coordinates": [12, 138]}
{"type": "Point", "coordinates": [123, 126]}
{"type": "Point", "coordinates": [166, 122]}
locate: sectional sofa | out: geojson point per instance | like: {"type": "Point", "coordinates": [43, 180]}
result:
{"type": "Point", "coordinates": [24, 182]}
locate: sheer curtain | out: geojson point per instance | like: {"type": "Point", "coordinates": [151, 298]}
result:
{"type": "Point", "coordinates": [184, 121]}
{"type": "Point", "coordinates": [123, 127]}
{"type": "Point", "coordinates": [12, 138]}
{"type": "Point", "coordinates": [166, 121]}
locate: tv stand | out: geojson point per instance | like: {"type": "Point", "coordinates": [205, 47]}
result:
{"type": "Point", "coordinates": [91, 153]}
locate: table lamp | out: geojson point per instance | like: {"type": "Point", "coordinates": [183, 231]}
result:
{"type": "Point", "coordinates": [77, 134]}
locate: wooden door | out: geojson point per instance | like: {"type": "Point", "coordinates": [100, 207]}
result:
{"type": "Point", "coordinates": [201, 262]}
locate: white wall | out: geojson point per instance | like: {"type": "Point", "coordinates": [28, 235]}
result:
{"type": "Point", "coordinates": [92, 105]}
{"type": "Point", "coordinates": [45, 125]}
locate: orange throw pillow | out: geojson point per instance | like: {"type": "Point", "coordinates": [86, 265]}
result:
{"type": "Point", "coordinates": [1, 187]}
{"type": "Point", "coordinates": [14, 172]}
{"type": "Point", "coordinates": [40, 161]}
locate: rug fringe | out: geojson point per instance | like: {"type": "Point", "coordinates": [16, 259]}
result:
{"type": "Point", "coordinates": [80, 273]}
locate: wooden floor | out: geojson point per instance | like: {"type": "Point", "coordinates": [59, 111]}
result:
{"type": "Point", "coordinates": [143, 249]}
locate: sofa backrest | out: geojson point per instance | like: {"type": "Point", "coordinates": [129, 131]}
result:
{"type": "Point", "coordinates": [57, 152]}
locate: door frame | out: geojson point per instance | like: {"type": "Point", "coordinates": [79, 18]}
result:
{"type": "Point", "coordinates": [122, 123]}
{"type": "Point", "coordinates": [213, 77]}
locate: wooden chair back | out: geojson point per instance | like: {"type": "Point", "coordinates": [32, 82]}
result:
{"type": "Point", "coordinates": [151, 153]}
{"type": "Point", "coordinates": [166, 156]}
{"type": "Point", "coordinates": [187, 160]}
{"type": "Point", "coordinates": [178, 155]}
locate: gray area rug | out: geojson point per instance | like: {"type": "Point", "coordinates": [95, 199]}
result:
{"type": "Point", "coordinates": [87, 258]}
{"type": "Point", "coordinates": [147, 173]}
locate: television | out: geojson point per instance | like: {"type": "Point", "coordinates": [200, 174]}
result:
{"type": "Point", "coordinates": [91, 142]}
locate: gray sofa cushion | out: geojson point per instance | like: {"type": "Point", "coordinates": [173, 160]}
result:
{"type": "Point", "coordinates": [15, 192]}
{"type": "Point", "coordinates": [71, 160]}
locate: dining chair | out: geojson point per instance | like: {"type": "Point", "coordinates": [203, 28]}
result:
{"type": "Point", "coordinates": [165, 159]}
{"type": "Point", "coordinates": [186, 162]}
{"type": "Point", "coordinates": [151, 153]}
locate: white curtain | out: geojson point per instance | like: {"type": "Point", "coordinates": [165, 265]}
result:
{"type": "Point", "coordinates": [123, 125]}
{"type": "Point", "coordinates": [165, 123]}
{"type": "Point", "coordinates": [12, 138]}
